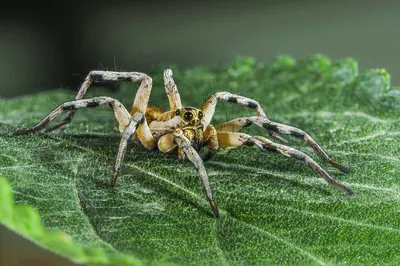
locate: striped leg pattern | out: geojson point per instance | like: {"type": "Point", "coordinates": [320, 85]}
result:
{"type": "Point", "coordinates": [190, 153]}
{"type": "Point", "coordinates": [128, 124]}
{"type": "Point", "coordinates": [172, 91]}
{"type": "Point", "coordinates": [135, 121]}
{"type": "Point", "coordinates": [211, 102]}
{"type": "Point", "coordinates": [263, 122]}
{"type": "Point", "coordinates": [121, 114]}
{"type": "Point", "coordinates": [98, 76]}
{"type": "Point", "coordinates": [235, 139]}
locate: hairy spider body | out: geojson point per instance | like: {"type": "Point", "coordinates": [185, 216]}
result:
{"type": "Point", "coordinates": [186, 129]}
{"type": "Point", "coordinates": [162, 125]}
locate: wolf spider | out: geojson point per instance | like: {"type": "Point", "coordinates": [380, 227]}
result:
{"type": "Point", "coordinates": [186, 129]}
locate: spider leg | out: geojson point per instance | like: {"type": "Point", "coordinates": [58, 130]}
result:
{"type": "Point", "coordinates": [172, 91]}
{"type": "Point", "coordinates": [120, 112]}
{"type": "Point", "coordinates": [98, 76]}
{"type": "Point", "coordinates": [210, 104]}
{"type": "Point", "coordinates": [262, 121]}
{"type": "Point", "coordinates": [235, 139]}
{"type": "Point", "coordinates": [184, 144]}
{"type": "Point", "coordinates": [211, 140]}
{"type": "Point", "coordinates": [135, 121]}
{"type": "Point", "coordinates": [267, 124]}
{"type": "Point", "coordinates": [237, 124]}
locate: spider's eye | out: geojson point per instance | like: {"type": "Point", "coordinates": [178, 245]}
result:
{"type": "Point", "coordinates": [200, 115]}
{"type": "Point", "coordinates": [188, 116]}
{"type": "Point", "coordinates": [177, 112]}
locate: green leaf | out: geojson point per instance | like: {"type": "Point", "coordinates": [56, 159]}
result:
{"type": "Point", "coordinates": [275, 210]}
{"type": "Point", "coordinates": [26, 221]}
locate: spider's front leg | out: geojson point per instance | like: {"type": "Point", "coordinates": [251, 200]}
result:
{"type": "Point", "coordinates": [184, 144]}
{"type": "Point", "coordinates": [235, 139]}
{"type": "Point", "coordinates": [172, 91]}
{"type": "Point", "coordinates": [135, 121]}
{"type": "Point", "coordinates": [98, 76]}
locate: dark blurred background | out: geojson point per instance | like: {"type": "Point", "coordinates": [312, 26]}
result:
{"type": "Point", "coordinates": [43, 47]}
{"type": "Point", "coordinates": [55, 45]}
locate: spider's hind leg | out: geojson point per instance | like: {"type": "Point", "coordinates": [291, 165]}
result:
{"type": "Point", "coordinates": [235, 139]}
{"type": "Point", "coordinates": [297, 133]}
{"type": "Point", "coordinates": [261, 120]}
{"type": "Point", "coordinates": [98, 76]}
{"type": "Point", "coordinates": [276, 128]}
{"type": "Point", "coordinates": [238, 124]}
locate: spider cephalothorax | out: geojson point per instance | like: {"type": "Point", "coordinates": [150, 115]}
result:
{"type": "Point", "coordinates": [191, 125]}
{"type": "Point", "coordinates": [186, 129]}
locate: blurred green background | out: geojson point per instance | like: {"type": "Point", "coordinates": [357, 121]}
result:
{"type": "Point", "coordinates": [57, 44]}
{"type": "Point", "coordinates": [46, 47]}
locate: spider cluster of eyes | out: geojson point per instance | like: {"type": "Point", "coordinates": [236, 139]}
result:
{"type": "Point", "coordinates": [190, 114]}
